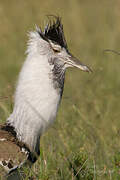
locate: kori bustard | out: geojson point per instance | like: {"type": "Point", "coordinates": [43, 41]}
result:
{"type": "Point", "coordinates": [37, 97]}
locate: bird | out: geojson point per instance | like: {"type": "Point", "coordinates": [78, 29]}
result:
{"type": "Point", "coordinates": [37, 97]}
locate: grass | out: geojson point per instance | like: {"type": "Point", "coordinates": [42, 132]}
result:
{"type": "Point", "coordinates": [84, 141]}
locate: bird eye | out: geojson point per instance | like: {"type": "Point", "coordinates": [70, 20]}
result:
{"type": "Point", "coordinates": [56, 50]}
{"type": "Point", "coordinates": [55, 47]}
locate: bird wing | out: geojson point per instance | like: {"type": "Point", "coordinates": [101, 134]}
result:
{"type": "Point", "coordinates": [12, 155]}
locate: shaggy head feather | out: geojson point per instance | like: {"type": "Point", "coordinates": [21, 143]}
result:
{"type": "Point", "coordinates": [54, 32]}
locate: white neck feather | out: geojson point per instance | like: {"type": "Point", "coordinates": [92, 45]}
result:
{"type": "Point", "coordinates": [36, 99]}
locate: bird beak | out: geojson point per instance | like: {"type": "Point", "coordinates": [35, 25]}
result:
{"type": "Point", "coordinates": [74, 62]}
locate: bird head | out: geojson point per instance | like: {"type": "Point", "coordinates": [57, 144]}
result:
{"type": "Point", "coordinates": [55, 46]}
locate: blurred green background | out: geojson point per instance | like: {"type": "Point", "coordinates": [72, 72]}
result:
{"type": "Point", "coordinates": [84, 142]}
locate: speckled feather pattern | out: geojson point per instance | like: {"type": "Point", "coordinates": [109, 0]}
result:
{"type": "Point", "coordinates": [12, 155]}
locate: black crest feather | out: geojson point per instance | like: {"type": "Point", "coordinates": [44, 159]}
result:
{"type": "Point", "coordinates": [54, 32]}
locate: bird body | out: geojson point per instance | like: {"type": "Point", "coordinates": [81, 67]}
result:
{"type": "Point", "coordinates": [38, 95]}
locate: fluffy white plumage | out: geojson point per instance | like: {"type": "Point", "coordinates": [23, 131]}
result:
{"type": "Point", "coordinates": [36, 100]}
